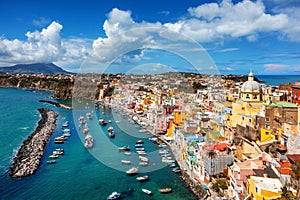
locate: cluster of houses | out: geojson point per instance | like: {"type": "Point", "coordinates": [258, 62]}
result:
{"type": "Point", "coordinates": [244, 132]}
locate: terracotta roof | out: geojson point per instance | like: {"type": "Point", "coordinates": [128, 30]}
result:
{"type": "Point", "coordinates": [220, 147]}
{"type": "Point", "coordinates": [293, 157]}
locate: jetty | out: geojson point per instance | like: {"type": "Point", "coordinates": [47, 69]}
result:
{"type": "Point", "coordinates": [27, 159]}
{"type": "Point", "coordinates": [56, 104]}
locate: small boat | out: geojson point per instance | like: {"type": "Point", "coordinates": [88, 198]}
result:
{"type": "Point", "coordinates": [66, 130]}
{"type": "Point", "coordinates": [141, 153]}
{"type": "Point", "coordinates": [85, 130]}
{"type": "Point", "coordinates": [113, 196]}
{"type": "Point", "coordinates": [139, 142]}
{"type": "Point", "coordinates": [124, 148]}
{"type": "Point", "coordinates": [142, 131]}
{"type": "Point", "coordinates": [89, 116]}
{"type": "Point", "coordinates": [102, 122]}
{"type": "Point", "coordinates": [51, 161]}
{"type": "Point", "coordinates": [143, 163]}
{"type": "Point", "coordinates": [88, 141]}
{"type": "Point", "coordinates": [164, 160]}
{"type": "Point", "coordinates": [139, 149]}
{"type": "Point", "coordinates": [176, 170]}
{"type": "Point", "coordinates": [59, 141]}
{"type": "Point", "coordinates": [127, 153]}
{"type": "Point", "coordinates": [55, 152]}
{"type": "Point", "coordinates": [142, 178]}
{"type": "Point", "coordinates": [53, 156]}
{"type": "Point", "coordinates": [67, 134]}
{"type": "Point", "coordinates": [138, 145]}
{"type": "Point", "coordinates": [143, 158]}
{"type": "Point", "coordinates": [171, 165]}
{"type": "Point", "coordinates": [110, 132]}
{"type": "Point", "coordinates": [132, 171]}
{"type": "Point", "coordinates": [165, 190]}
{"type": "Point", "coordinates": [147, 191]}
{"type": "Point", "coordinates": [65, 124]}
{"type": "Point", "coordinates": [126, 162]}
{"type": "Point", "coordinates": [109, 121]}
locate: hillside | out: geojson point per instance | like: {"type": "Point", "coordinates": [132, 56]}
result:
{"type": "Point", "coordinates": [35, 68]}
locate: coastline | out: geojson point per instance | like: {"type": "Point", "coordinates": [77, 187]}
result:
{"type": "Point", "coordinates": [59, 105]}
{"type": "Point", "coordinates": [27, 159]}
{"type": "Point", "coordinates": [187, 180]}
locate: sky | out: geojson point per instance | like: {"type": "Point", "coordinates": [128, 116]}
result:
{"type": "Point", "coordinates": [122, 36]}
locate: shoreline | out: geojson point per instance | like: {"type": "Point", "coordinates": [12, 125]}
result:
{"type": "Point", "coordinates": [186, 180]}
{"type": "Point", "coordinates": [59, 105]}
{"type": "Point", "coordinates": [27, 159]}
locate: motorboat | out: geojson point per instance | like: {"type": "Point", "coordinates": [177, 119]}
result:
{"type": "Point", "coordinates": [127, 153]}
{"type": "Point", "coordinates": [53, 156]}
{"type": "Point", "coordinates": [88, 141]}
{"type": "Point", "coordinates": [102, 122]}
{"type": "Point", "coordinates": [138, 145]}
{"type": "Point", "coordinates": [147, 191]}
{"type": "Point", "coordinates": [165, 190]}
{"type": "Point", "coordinates": [65, 124]}
{"type": "Point", "coordinates": [141, 153]}
{"type": "Point", "coordinates": [126, 162]}
{"type": "Point", "coordinates": [51, 161]}
{"type": "Point", "coordinates": [132, 171]}
{"type": "Point", "coordinates": [58, 152]}
{"type": "Point", "coordinates": [114, 195]}
{"type": "Point", "coordinates": [139, 142]}
{"type": "Point", "coordinates": [139, 149]}
{"type": "Point", "coordinates": [143, 163]}
{"type": "Point", "coordinates": [89, 116]}
{"type": "Point", "coordinates": [143, 158]}
{"type": "Point", "coordinates": [124, 148]}
{"type": "Point", "coordinates": [110, 132]}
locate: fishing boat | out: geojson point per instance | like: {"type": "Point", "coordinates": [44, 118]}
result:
{"type": "Point", "coordinates": [51, 161]}
{"type": "Point", "coordinates": [114, 195]}
{"type": "Point", "coordinates": [124, 148]}
{"type": "Point", "coordinates": [126, 162]}
{"type": "Point", "coordinates": [147, 191]}
{"type": "Point", "coordinates": [132, 171]}
{"type": "Point", "coordinates": [165, 190]}
{"type": "Point", "coordinates": [139, 142]}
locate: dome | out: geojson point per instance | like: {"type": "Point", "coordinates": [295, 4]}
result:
{"type": "Point", "coordinates": [251, 85]}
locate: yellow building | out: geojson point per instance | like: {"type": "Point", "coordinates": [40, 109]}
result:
{"type": "Point", "coordinates": [179, 118]}
{"type": "Point", "coordinates": [266, 135]}
{"type": "Point", "coordinates": [261, 188]}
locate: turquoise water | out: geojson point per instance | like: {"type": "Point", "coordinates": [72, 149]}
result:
{"type": "Point", "coordinates": [78, 174]}
{"type": "Point", "coordinates": [276, 80]}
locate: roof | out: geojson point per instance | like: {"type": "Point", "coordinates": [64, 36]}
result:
{"type": "Point", "coordinates": [270, 184]}
{"type": "Point", "coordinates": [219, 147]}
{"type": "Point", "coordinates": [284, 104]}
{"type": "Point", "coordinates": [293, 157]}
{"type": "Point", "coordinates": [251, 85]}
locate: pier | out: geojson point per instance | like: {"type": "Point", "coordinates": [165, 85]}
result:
{"type": "Point", "coordinates": [56, 104]}
{"type": "Point", "coordinates": [27, 159]}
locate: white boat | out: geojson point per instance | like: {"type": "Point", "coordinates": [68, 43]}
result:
{"type": "Point", "coordinates": [126, 162]}
{"type": "Point", "coordinates": [132, 171]}
{"type": "Point", "coordinates": [65, 124]}
{"type": "Point", "coordinates": [142, 131]}
{"type": "Point", "coordinates": [53, 156]}
{"type": "Point", "coordinates": [143, 163]}
{"type": "Point", "coordinates": [89, 115]}
{"type": "Point", "coordinates": [113, 196]}
{"type": "Point", "coordinates": [141, 153]}
{"type": "Point", "coordinates": [88, 141]}
{"type": "Point", "coordinates": [165, 190]}
{"type": "Point", "coordinates": [143, 158]}
{"type": "Point", "coordinates": [164, 160]}
{"type": "Point", "coordinates": [139, 142]}
{"type": "Point", "coordinates": [163, 151]}
{"type": "Point", "coordinates": [147, 191]}
{"type": "Point", "coordinates": [127, 153]}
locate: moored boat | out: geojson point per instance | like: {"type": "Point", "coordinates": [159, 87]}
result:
{"type": "Point", "coordinates": [114, 195]}
{"type": "Point", "coordinates": [142, 178]}
{"type": "Point", "coordinates": [51, 161]}
{"type": "Point", "coordinates": [53, 156]}
{"type": "Point", "coordinates": [141, 153]}
{"type": "Point", "coordinates": [139, 142]}
{"type": "Point", "coordinates": [65, 124]}
{"type": "Point", "coordinates": [127, 153]}
{"type": "Point", "coordinates": [143, 158]}
{"type": "Point", "coordinates": [124, 148]}
{"type": "Point", "coordinates": [143, 163]}
{"type": "Point", "coordinates": [132, 171]}
{"type": "Point", "coordinates": [165, 190]}
{"type": "Point", "coordinates": [110, 132]}
{"type": "Point", "coordinates": [126, 162]}
{"type": "Point", "coordinates": [138, 145]}
{"type": "Point", "coordinates": [88, 141]}
{"type": "Point", "coordinates": [147, 191]}
{"type": "Point", "coordinates": [102, 122]}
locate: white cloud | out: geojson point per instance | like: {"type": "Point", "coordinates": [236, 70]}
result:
{"type": "Point", "coordinates": [44, 46]}
{"type": "Point", "coordinates": [40, 22]}
{"type": "Point", "coordinates": [276, 67]}
{"type": "Point", "coordinates": [228, 50]}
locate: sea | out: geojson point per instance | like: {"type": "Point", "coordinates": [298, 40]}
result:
{"type": "Point", "coordinates": [276, 80]}
{"type": "Point", "coordinates": [81, 173]}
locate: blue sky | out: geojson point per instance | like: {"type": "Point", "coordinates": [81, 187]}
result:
{"type": "Point", "coordinates": [185, 35]}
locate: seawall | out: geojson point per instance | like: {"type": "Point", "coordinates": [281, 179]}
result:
{"type": "Point", "coordinates": [27, 159]}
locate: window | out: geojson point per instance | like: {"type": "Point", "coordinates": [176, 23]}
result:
{"type": "Point", "coordinates": [267, 126]}
{"type": "Point", "coordinates": [247, 96]}
{"type": "Point", "coordinates": [267, 119]}
{"type": "Point", "coordinates": [249, 120]}
{"type": "Point", "coordinates": [255, 96]}
{"type": "Point", "coordinates": [267, 133]}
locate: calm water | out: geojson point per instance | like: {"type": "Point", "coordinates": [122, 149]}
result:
{"type": "Point", "coordinates": [276, 80]}
{"type": "Point", "coordinates": [78, 174]}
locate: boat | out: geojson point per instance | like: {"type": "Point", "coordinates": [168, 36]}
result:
{"type": "Point", "coordinates": [88, 141]}
{"type": "Point", "coordinates": [165, 190]}
{"type": "Point", "coordinates": [172, 165]}
{"type": "Point", "coordinates": [127, 153]}
{"type": "Point", "coordinates": [102, 122]}
{"type": "Point", "coordinates": [138, 145]}
{"type": "Point", "coordinates": [176, 170]}
{"type": "Point", "coordinates": [51, 161]}
{"type": "Point", "coordinates": [67, 134]}
{"type": "Point", "coordinates": [65, 124]}
{"type": "Point", "coordinates": [139, 149]}
{"type": "Point", "coordinates": [109, 121]}
{"type": "Point", "coordinates": [143, 158]}
{"type": "Point", "coordinates": [143, 163]}
{"type": "Point", "coordinates": [126, 162]}
{"type": "Point", "coordinates": [89, 116]}
{"type": "Point", "coordinates": [53, 156]}
{"type": "Point", "coordinates": [132, 171]}
{"type": "Point", "coordinates": [110, 132]}
{"type": "Point", "coordinates": [147, 191]}
{"type": "Point", "coordinates": [66, 130]}
{"type": "Point", "coordinates": [59, 141]}
{"type": "Point", "coordinates": [141, 153]}
{"type": "Point", "coordinates": [58, 152]}
{"type": "Point", "coordinates": [85, 130]}
{"type": "Point", "coordinates": [139, 142]}
{"type": "Point", "coordinates": [114, 195]}
{"type": "Point", "coordinates": [124, 148]}
{"type": "Point", "coordinates": [142, 131]}
{"type": "Point", "coordinates": [165, 160]}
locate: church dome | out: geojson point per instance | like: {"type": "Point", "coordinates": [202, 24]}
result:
{"type": "Point", "coordinates": [251, 84]}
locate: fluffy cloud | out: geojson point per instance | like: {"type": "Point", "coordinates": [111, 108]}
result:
{"type": "Point", "coordinates": [281, 67]}
{"type": "Point", "coordinates": [44, 46]}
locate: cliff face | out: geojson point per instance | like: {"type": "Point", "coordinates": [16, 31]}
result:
{"type": "Point", "coordinates": [61, 85]}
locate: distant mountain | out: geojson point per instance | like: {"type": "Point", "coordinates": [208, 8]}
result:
{"type": "Point", "coordinates": [35, 68]}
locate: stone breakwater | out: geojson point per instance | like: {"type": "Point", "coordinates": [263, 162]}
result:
{"type": "Point", "coordinates": [56, 104]}
{"type": "Point", "coordinates": [31, 151]}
